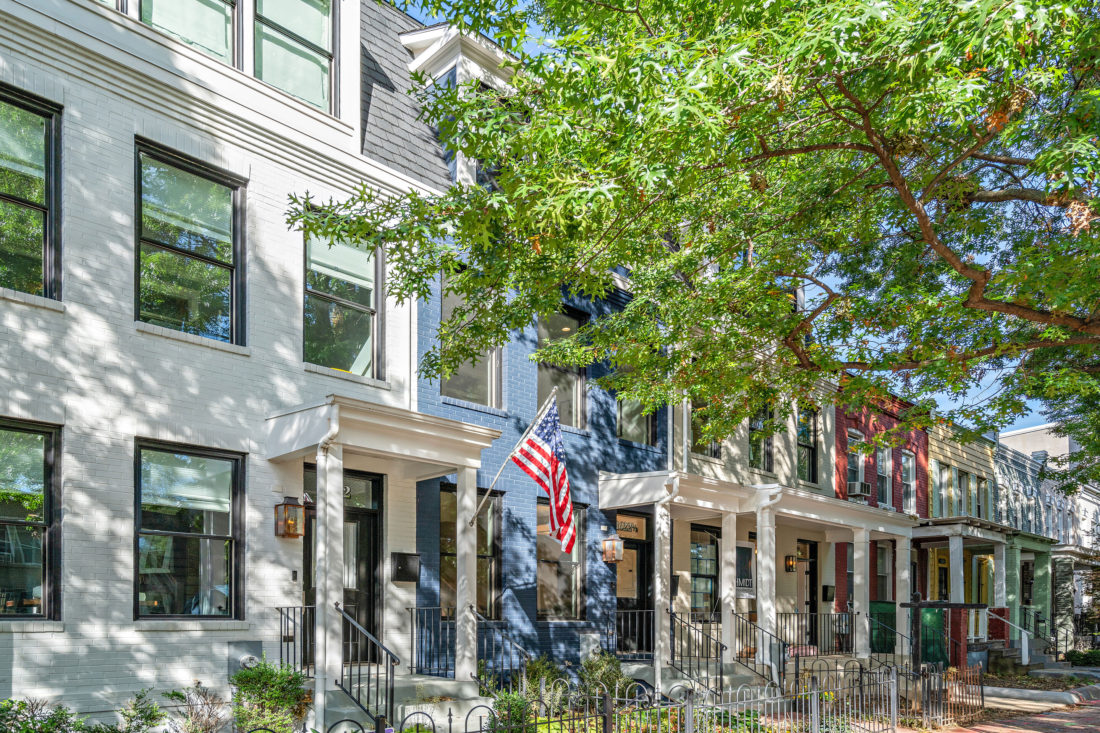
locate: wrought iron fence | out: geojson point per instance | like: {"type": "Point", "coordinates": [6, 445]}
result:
{"type": "Point", "coordinates": [297, 626]}
{"type": "Point", "coordinates": [432, 640]}
{"type": "Point", "coordinates": [629, 636]}
{"type": "Point", "coordinates": [815, 634]}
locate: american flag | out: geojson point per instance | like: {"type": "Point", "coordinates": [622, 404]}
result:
{"type": "Point", "coordinates": [542, 457]}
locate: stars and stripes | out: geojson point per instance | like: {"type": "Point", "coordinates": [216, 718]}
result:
{"type": "Point", "coordinates": [541, 455]}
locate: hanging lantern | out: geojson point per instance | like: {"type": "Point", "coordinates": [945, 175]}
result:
{"type": "Point", "coordinates": [290, 518]}
{"type": "Point", "coordinates": [613, 549]}
{"type": "Point", "coordinates": [791, 563]}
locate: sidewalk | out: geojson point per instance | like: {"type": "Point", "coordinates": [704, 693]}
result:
{"type": "Point", "coordinates": [1084, 717]}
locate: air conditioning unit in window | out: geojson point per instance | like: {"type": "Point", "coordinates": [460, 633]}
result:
{"type": "Point", "coordinates": [858, 488]}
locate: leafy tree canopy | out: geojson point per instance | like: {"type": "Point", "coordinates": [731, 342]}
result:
{"type": "Point", "coordinates": [922, 174]}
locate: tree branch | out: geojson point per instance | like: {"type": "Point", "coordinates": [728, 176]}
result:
{"type": "Point", "coordinates": [975, 354]}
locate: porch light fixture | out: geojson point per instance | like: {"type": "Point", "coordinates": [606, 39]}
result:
{"type": "Point", "coordinates": [613, 549]}
{"type": "Point", "coordinates": [290, 518]}
{"type": "Point", "coordinates": [790, 563]}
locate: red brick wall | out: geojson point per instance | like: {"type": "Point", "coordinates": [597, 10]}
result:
{"type": "Point", "coordinates": [870, 423]}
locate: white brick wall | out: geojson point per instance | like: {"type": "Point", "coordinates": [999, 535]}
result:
{"type": "Point", "coordinates": [90, 368]}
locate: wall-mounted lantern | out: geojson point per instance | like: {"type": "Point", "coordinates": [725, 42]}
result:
{"type": "Point", "coordinates": [290, 518]}
{"type": "Point", "coordinates": [790, 563]}
{"type": "Point", "coordinates": [613, 549]}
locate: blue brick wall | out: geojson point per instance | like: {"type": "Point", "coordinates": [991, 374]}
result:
{"type": "Point", "coordinates": [589, 451]}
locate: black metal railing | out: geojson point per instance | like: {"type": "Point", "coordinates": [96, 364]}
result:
{"type": "Point", "coordinates": [696, 653]}
{"type": "Point", "coordinates": [816, 634]}
{"type": "Point", "coordinates": [501, 661]}
{"type": "Point", "coordinates": [366, 671]}
{"type": "Point", "coordinates": [297, 631]}
{"type": "Point", "coordinates": [889, 647]}
{"type": "Point", "coordinates": [1035, 623]}
{"type": "Point", "coordinates": [629, 635]}
{"type": "Point", "coordinates": [762, 652]}
{"type": "Point", "coordinates": [934, 642]}
{"type": "Point", "coordinates": [432, 640]}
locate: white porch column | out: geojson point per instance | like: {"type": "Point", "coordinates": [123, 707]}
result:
{"type": "Point", "coordinates": [861, 593]}
{"type": "Point", "coordinates": [1000, 587]}
{"type": "Point", "coordinates": [902, 590]}
{"type": "Point", "coordinates": [329, 575]}
{"type": "Point", "coordinates": [465, 576]}
{"type": "Point", "coordinates": [957, 570]}
{"type": "Point", "coordinates": [662, 589]}
{"type": "Point", "coordinates": [727, 573]}
{"type": "Point", "coordinates": [765, 569]}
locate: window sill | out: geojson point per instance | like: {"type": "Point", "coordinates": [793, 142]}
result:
{"type": "Point", "coordinates": [475, 406]}
{"type": "Point", "coordinates": [639, 446]}
{"type": "Point", "coordinates": [31, 626]}
{"type": "Point", "coordinates": [576, 431]}
{"type": "Point", "coordinates": [35, 301]}
{"type": "Point", "coordinates": [716, 460]}
{"type": "Point", "coordinates": [186, 625]}
{"type": "Point", "coordinates": [330, 372]}
{"type": "Point", "coordinates": [810, 485]}
{"type": "Point", "coordinates": [763, 473]}
{"type": "Point", "coordinates": [189, 338]}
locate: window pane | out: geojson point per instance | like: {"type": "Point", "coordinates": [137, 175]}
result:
{"type": "Point", "coordinates": [341, 270]}
{"type": "Point", "coordinates": [338, 337]}
{"type": "Point", "coordinates": [806, 469]}
{"type": "Point", "coordinates": [22, 153]}
{"type": "Point", "coordinates": [21, 569]}
{"type": "Point", "coordinates": [557, 326]}
{"type": "Point", "coordinates": [22, 233]}
{"type": "Point", "coordinates": [22, 475]}
{"type": "Point", "coordinates": [183, 575]}
{"type": "Point", "coordinates": [205, 24]}
{"type": "Point", "coordinates": [310, 19]}
{"type": "Point", "coordinates": [559, 575]}
{"type": "Point", "coordinates": [633, 423]}
{"type": "Point", "coordinates": [569, 393]}
{"type": "Point", "coordinates": [448, 511]}
{"type": "Point", "coordinates": [185, 294]}
{"type": "Point", "coordinates": [473, 381]}
{"type": "Point", "coordinates": [186, 211]}
{"type": "Point", "coordinates": [292, 67]}
{"type": "Point", "coordinates": [184, 493]}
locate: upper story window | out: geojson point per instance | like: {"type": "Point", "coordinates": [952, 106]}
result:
{"type": "Point", "coordinates": [488, 554]}
{"type": "Point", "coordinates": [855, 459]}
{"type": "Point", "coordinates": [560, 591]}
{"type": "Point", "coordinates": [633, 424]}
{"type": "Point", "coordinates": [570, 381]}
{"type": "Point", "coordinates": [294, 48]}
{"type": "Point", "coordinates": [761, 451]}
{"type": "Point", "coordinates": [30, 255]}
{"type": "Point", "coordinates": [475, 381]}
{"type": "Point", "coordinates": [947, 491]}
{"type": "Point", "coordinates": [208, 25]}
{"type": "Point", "coordinates": [190, 247]}
{"type": "Point", "coordinates": [342, 301]}
{"type": "Point", "coordinates": [807, 445]}
{"type": "Point", "coordinates": [981, 498]}
{"type": "Point", "coordinates": [29, 530]}
{"type": "Point", "coordinates": [187, 554]}
{"type": "Point", "coordinates": [699, 444]}
{"type": "Point", "coordinates": [883, 467]}
{"type": "Point", "coordinates": [963, 499]}
{"type": "Point", "coordinates": [909, 482]}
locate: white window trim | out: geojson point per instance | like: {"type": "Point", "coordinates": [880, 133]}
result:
{"type": "Point", "coordinates": [854, 436]}
{"type": "Point", "coordinates": [889, 474]}
{"type": "Point", "coordinates": [909, 502]}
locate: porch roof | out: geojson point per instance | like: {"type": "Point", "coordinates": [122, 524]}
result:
{"type": "Point", "coordinates": [966, 527]}
{"type": "Point", "coordinates": [424, 446]}
{"type": "Point", "coordinates": [623, 490]}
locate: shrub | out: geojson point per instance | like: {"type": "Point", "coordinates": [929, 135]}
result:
{"type": "Point", "coordinates": [139, 715]}
{"type": "Point", "coordinates": [512, 713]}
{"type": "Point", "coordinates": [32, 716]}
{"type": "Point", "coordinates": [269, 696]}
{"type": "Point", "coordinates": [201, 710]}
{"type": "Point", "coordinates": [1090, 658]}
{"type": "Point", "coordinates": [602, 673]}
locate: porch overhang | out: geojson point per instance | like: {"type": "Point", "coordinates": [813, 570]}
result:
{"type": "Point", "coordinates": [835, 513]}
{"type": "Point", "coordinates": [1083, 558]}
{"type": "Point", "coordinates": [969, 528]}
{"type": "Point", "coordinates": [426, 446]}
{"type": "Point", "coordinates": [625, 490]}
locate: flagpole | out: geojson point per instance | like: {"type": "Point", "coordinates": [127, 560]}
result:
{"type": "Point", "coordinates": [538, 416]}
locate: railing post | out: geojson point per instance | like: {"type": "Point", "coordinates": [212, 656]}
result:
{"type": "Point", "coordinates": [608, 726]}
{"type": "Point", "coordinates": [893, 703]}
{"type": "Point", "coordinates": [815, 707]}
{"type": "Point", "coordinates": [689, 712]}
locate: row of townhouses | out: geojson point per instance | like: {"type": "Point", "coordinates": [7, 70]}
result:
{"type": "Point", "coordinates": [178, 369]}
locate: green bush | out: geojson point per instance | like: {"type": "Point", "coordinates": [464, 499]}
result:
{"type": "Point", "coordinates": [201, 710]}
{"type": "Point", "coordinates": [270, 696]}
{"type": "Point", "coordinates": [33, 716]}
{"type": "Point", "coordinates": [602, 673]}
{"type": "Point", "coordinates": [1090, 658]}
{"type": "Point", "coordinates": [512, 713]}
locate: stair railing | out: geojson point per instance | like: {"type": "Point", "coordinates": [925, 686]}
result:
{"type": "Point", "coordinates": [697, 654]}
{"type": "Point", "coordinates": [761, 652]}
{"type": "Point", "coordinates": [501, 661]}
{"type": "Point", "coordinates": [885, 641]}
{"type": "Point", "coordinates": [297, 631]}
{"type": "Point", "coordinates": [629, 635]}
{"type": "Point", "coordinates": [1025, 636]}
{"type": "Point", "coordinates": [366, 671]}
{"type": "Point", "coordinates": [432, 640]}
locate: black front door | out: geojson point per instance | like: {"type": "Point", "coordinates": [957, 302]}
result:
{"type": "Point", "coordinates": [362, 541]}
{"type": "Point", "coordinates": [634, 585]}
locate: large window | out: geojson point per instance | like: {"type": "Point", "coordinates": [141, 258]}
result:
{"type": "Point", "coordinates": [699, 443]}
{"type": "Point", "coordinates": [909, 483]}
{"type": "Point", "coordinates": [341, 307]}
{"type": "Point", "coordinates": [188, 519]}
{"type": "Point", "coordinates": [855, 460]}
{"type": "Point", "coordinates": [705, 595]}
{"type": "Point", "coordinates": [30, 259]}
{"type": "Point", "coordinates": [190, 252]}
{"type": "Point", "coordinates": [29, 533]}
{"type": "Point", "coordinates": [884, 573]}
{"type": "Point", "coordinates": [560, 577]}
{"type": "Point", "coordinates": [294, 48]}
{"type": "Point", "coordinates": [962, 495]}
{"type": "Point", "coordinates": [488, 553]}
{"type": "Point", "coordinates": [208, 25]}
{"type": "Point", "coordinates": [570, 381]}
{"type": "Point", "coordinates": [807, 445]}
{"type": "Point", "coordinates": [633, 424]}
{"type": "Point", "coordinates": [760, 444]}
{"type": "Point", "coordinates": [883, 468]}
{"type": "Point", "coordinates": [476, 381]}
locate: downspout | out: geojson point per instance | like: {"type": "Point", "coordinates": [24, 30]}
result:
{"type": "Point", "coordinates": [320, 580]}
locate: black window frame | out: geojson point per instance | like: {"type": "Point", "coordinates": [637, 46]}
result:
{"type": "Point", "coordinates": [377, 311]}
{"type": "Point", "coordinates": [709, 614]}
{"type": "Point", "coordinates": [236, 32]}
{"type": "Point", "coordinates": [767, 442]}
{"type": "Point", "coordinates": [712, 448]}
{"type": "Point", "coordinates": [580, 518]}
{"type": "Point", "coordinates": [495, 359]}
{"type": "Point", "coordinates": [496, 501]}
{"type": "Point", "coordinates": [237, 527]}
{"type": "Point", "coordinates": [51, 520]}
{"type": "Point", "coordinates": [51, 240]}
{"type": "Point", "coordinates": [238, 271]}
{"type": "Point", "coordinates": [811, 448]}
{"type": "Point", "coordinates": [333, 55]}
{"type": "Point", "coordinates": [581, 373]}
